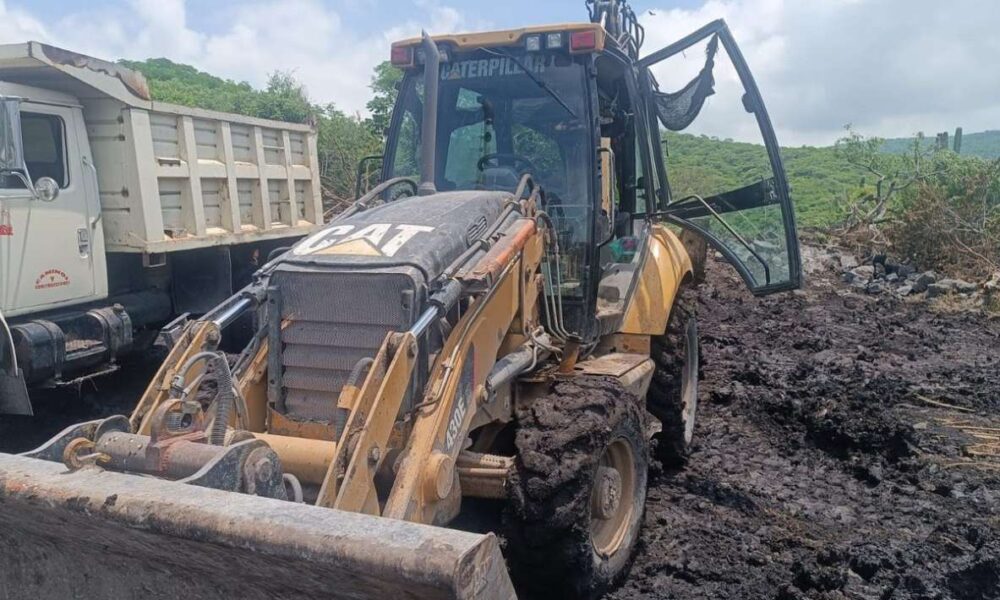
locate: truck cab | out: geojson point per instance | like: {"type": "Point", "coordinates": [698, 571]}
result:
{"type": "Point", "coordinates": [52, 248]}
{"type": "Point", "coordinates": [120, 214]}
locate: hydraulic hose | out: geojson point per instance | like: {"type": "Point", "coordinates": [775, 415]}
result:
{"type": "Point", "coordinates": [224, 399]}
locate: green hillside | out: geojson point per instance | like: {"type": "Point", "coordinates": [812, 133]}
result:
{"type": "Point", "coordinates": [984, 144]}
{"type": "Point", "coordinates": [819, 177]}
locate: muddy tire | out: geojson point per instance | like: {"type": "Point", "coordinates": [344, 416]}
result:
{"type": "Point", "coordinates": [579, 490]}
{"type": "Point", "coordinates": [673, 392]}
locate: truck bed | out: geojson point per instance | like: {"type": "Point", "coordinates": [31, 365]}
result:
{"type": "Point", "coordinates": [173, 177]}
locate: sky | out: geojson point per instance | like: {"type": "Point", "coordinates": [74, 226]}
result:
{"type": "Point", "coordinates": [887, 67]}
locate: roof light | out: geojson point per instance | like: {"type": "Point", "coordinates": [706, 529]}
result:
{"type": "Point", "coordinates": [533, 43]}
{"type": "Point", "coordinates": [580, 41]}
{"type": "Point", "coordinates": [553, 40]}
{"type": "Point", "coordinates": [402, 56]}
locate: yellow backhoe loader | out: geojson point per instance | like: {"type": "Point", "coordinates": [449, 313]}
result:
{"type": "Point", "coordinates": [503, 321]}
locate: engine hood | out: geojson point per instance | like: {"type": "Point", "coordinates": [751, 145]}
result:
{"type": "Point", "coordinates": [424, 232]}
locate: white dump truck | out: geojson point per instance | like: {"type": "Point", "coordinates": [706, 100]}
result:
{"type": "Point", "coordinates": [119, 214]}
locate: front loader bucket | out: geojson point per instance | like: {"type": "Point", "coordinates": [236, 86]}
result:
{"type": "Point", "coordinates": [100, 534]}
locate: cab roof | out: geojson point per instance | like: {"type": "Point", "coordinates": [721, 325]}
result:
{"type": "Point", "coordinates": [510, 37]}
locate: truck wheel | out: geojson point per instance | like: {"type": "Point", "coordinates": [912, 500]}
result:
{"type": "Point", "coordinates": [673, 392]}
{"type": "Point", "coordinates": [578, 492]}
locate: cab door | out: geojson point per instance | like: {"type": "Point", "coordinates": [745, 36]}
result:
{"type": "Point", "coordinates": [733, 192]}
{"type": "Point", "coordinates": [47, 246]}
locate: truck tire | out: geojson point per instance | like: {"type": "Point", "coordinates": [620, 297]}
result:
{"type": "Point", "coordinates": [673, 392]}
{"type": "Point", "coordinates": [578, 491]}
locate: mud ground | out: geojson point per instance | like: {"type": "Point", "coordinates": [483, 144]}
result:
{"type": "Point", "coordinates": [829, 463]}
{"type": "Point", "coordinates": [847, 448]}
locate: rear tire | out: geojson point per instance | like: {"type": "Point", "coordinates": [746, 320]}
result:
{"type": "Point", "coordinates": [673, 393]}
{"type": "Point", "coordinates": [579, 490]}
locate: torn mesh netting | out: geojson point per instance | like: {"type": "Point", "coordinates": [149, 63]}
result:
{"type": "Point", "coordinates": [678, 110]}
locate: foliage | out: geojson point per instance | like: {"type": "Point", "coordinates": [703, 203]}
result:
{"type": "Point", "coordinates": [950, 220]}
{"type": "Point", "coordinates": [818, 177]}
{"type": "Point", "coordinates": [885, 175]}
{"type": "Point", "coordinates": [384, 85]}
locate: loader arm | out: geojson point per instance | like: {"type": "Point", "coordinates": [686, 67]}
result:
{"type": "Point", "coordinates": [426, 490]}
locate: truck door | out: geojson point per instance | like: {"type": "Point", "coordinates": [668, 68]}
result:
{"type": "Point", "coordinates": [47, 254]}
{"type": "Point", "coordinates": [734, 193]}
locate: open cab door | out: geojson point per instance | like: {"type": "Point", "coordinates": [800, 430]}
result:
{"type": "Point", "coordinates": [734, 194]}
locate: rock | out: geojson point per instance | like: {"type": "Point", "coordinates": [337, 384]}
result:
{"type": "Point", "coordinates": [962, 287]}
{"type": "Point", "coordinates": [860, 274]}
{"type": "Point", "coordinates": [923, 280]}
{"type": "Point", "coordinates": [892, 277]}
{"type": "Point", "coordinates": [875, 287]}
{"type": "Point", "coordinates": [948, 286]}
{"type": "Point", "coordinates": [904, 290]}
{"type": "Point", "coordinates": [847, 261]}
{"type": "Point", "coordinates": [935, 290]}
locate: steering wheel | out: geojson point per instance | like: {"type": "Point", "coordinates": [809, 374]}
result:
{"type": "Point", "coordinates": [515, 160]}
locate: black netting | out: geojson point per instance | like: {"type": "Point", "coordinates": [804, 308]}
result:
{"type": "Point", "coordinates": [679, 109]}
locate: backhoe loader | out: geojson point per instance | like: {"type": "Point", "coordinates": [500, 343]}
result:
{"type": "Point", "coordinates": [504, 321]}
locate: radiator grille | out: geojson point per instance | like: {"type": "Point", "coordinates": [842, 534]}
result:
{"type": "Point", "coordinates": [331, 321]}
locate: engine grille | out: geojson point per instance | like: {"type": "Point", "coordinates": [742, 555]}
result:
{"type": "Point", "coordinates": [331, 320]}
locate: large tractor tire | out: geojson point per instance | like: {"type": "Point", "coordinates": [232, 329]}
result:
{"type": "Point", "coordinates": [579, 490]}
{"type": "Point", "coordinates": [673, 392]}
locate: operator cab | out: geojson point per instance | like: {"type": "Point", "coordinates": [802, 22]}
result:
{"type": "Point", "coordinates": [583, 115]}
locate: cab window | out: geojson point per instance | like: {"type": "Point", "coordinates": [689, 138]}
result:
{"type": "Point", "coordinates": [44, 147]}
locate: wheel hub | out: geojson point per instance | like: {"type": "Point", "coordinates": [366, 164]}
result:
{"type": "Point", "coordinates": [612, 498]}
{"type": "Point", "coordinates": [607, 493]}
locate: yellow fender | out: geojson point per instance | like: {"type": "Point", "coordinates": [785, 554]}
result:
{"type": "Point", "coordinates": [666, 264]}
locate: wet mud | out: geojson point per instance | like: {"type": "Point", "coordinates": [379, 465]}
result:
{"type": "Point", "coordinates": [848, 446]}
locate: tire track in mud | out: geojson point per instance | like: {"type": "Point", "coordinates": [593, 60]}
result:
{"type": "Point", "coordinates": [818, 471]}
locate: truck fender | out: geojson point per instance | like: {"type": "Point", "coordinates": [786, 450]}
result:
{"type": "Point", "coordinates": [666, 265]}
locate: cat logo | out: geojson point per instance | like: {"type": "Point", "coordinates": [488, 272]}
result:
{"type": "Point", "coordinates": [379, 239]}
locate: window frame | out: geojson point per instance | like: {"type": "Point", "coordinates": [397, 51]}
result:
{"type": "Point", "coordinates": [63, 148]}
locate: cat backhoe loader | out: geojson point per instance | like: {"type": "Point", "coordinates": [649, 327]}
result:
{"type": "Point", "coordinates": [487, 345]}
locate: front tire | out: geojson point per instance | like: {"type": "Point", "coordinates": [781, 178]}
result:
{"type": "Point", "coordinates": [673, 393]}
{"type": "Point", "coordinates": [579, 490]}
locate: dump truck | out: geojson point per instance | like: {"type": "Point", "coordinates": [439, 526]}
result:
{"type": "Point", "coordinates": [119, 214]}
{"type": "Point", "coordinates": [490, 344]}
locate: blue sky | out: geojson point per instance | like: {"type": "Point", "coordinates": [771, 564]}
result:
{"type": "Point", "coordinates": [889, 67]}
{"type": "Point", "coordinates": [369, 15]}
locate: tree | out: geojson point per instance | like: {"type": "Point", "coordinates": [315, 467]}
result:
{"type": "Point", "coordinates": [384, 85]}
{"type": "Point", "coordinates": [893, 173]}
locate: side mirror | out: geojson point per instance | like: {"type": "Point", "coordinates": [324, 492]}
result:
{"type": "Point", "coordinates": [46, 189]}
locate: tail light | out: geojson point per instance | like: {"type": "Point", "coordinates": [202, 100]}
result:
{"type": "Point", "coordinates": [582, 41]}
{"type": "Point", "coordinates": [402, 56]}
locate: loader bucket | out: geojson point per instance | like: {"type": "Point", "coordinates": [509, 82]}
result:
{"type": "Point", "coordinates": [100, 534]}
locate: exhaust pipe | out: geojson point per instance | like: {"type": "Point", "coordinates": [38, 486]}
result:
{"type": "Point", "coordinates": [428, 134]}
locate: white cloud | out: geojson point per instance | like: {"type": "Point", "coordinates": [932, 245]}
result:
{"type": "Point", "coordinates": [302, 36]}
{"type": "Point", "coordinates": [889, 67]}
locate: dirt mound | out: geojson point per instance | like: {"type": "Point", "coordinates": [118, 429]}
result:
{"type": "Point", "coordinates": [835, 453]}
